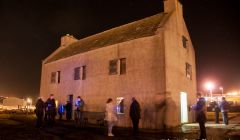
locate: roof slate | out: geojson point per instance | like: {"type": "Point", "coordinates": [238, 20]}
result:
{"type": "Point", "coordinates": [138, 29]}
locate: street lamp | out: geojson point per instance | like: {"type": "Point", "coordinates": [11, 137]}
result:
{"type": "Point", "coordinates": [221, 88]}
{"type": "Point", "coordinates": [209, 86]}
{"type": "Point", "coordinates": [29, 103]}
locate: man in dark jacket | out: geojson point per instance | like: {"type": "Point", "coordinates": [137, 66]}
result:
{"type": "Point", "coordinates": [68, 107]}
{"type": "Point", "coordinates": [51, 109]}
{"type": "Point", "coordinates": [216, 110]}
{"type": "Point", "coordinates": [135, 115]}
{"type": "Point", "coordinates": [201, 116]}
{"type": "Point", "coordinates": [39, 111]}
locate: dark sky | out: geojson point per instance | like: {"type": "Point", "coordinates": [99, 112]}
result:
{"type": "Point", "coordinates": [30, 30]}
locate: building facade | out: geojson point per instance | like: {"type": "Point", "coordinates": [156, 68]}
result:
{"type": "Point", "coordinates": [151, 59]}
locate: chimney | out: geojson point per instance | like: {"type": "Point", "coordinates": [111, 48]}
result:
{"type": "Point", "coordinates": [170, 5]}
{"type": "Point", "coordinates": [67, 40]}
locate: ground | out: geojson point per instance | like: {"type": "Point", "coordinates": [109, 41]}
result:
{"type": "Point", "coordinates": [22, 127]}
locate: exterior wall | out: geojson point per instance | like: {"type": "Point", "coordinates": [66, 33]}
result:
{"type": "Point", "coordinates": [144, 78]}
{"type": "Point", "coordinates": [176, 57]}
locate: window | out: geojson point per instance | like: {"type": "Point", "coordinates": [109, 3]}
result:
{"type": "Point", "coordinates": [188, 71]}
{"type": "Point", "coordinates": [84, 72]}
{"type": "Point", "coordinates": [58, 76]}
{"type": "Point", "coordinates": [53, 77]}
{"type": "Point", "coordinates": [123, 66]}
{"type": "Point", "coordinates": [120, 105]}
{"type": "Point", "coordinates": [77, 73]}
{"type": "Point", "coordinates": [113, 67]}
{"type": "Point", "coordinates": [117, 65]}
{"type": "Point", "coordinates": [184, 41]}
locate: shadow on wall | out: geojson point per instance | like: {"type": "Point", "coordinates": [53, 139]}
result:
{"type": "Point", "coordinates": [166, 111]}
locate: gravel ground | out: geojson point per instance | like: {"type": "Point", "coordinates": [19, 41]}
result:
{"type": "Point", "coordinates": [21, 127]}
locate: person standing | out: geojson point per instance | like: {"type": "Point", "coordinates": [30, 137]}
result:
{"type": "Point", "coordinates": [40, 107]}
{"type": "Point", "coordinates": [224, 106]}
{"type": "Point", "coordinates": [68, 107]}
{"type": "Point", "coordinates": [51, 109]}
{"type": "Point", "coordinates": [216, 110]}
{"type": "Point", "coordinates": [61, 111]}
{"type": "Point", "coordinates": [79, 104]}
{"type": "Point", "coordinates": [110, 115]}
{"type": "Point", "coordinates": [201, 116]}
{"type": "Point", "coordinates": [134, 113]}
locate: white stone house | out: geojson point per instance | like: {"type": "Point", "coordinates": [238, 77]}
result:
{"type": "Point", "coordinates": [151, 59]}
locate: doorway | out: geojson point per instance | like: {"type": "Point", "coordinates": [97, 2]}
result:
{"type": "Point", "coordinates": [184, 107]}
{"type": "Point", "coordinates": [70, 99]}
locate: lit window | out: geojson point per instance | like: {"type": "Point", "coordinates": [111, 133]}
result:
{"type": "Point", "coordinates": [120, 105]}
{"type": "Point", "coordinates": [188, 71]}
{"type": "Point", "coordinates": [123, 66]}
{"type": "Point", "coordinates": [113, 67]}
{"type": "Point", "coordinates": [77, 73]}
{"type": "Point", "coordinates": [184, 41]}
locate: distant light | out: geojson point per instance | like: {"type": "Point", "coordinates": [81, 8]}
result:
{"type": "Point", "coordinates": [29, 100]}
{"type": "Point", "coordinates": [233, 93]}
{"type": "Point", "coordinates": [209, 85]}
{"type": "Point", "coordinates": [221, 88]}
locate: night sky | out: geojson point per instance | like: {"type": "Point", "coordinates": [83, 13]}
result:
{"type": "Point", "coordinates": [30, 30]}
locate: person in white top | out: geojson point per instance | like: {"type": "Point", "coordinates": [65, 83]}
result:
{"type": "Point", "coordinates": [110, 116]}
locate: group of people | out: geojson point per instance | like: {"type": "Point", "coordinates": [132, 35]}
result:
{"type": "Point", "coordinates": [48, 110]}
{"type": "Point", "coordinates": [111, 115]}
{"type": "Point", "coordinates": [223, 107]}
{"type": "Point", "coordinates": [201, 109]}
{"type": "Point", "coordinates": [67, 109]}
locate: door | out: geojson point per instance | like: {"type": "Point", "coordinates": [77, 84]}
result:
{"type": "Point", "coordinates": [184, 107]}
{"type": "Point", "coordinates": [70, 98]}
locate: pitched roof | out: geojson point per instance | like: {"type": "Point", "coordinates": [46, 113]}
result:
{"type": "Point", "coordinates": [138, 29]}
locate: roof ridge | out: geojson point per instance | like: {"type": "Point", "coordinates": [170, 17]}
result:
{"type": "Point", "coordinates": [118, 27]}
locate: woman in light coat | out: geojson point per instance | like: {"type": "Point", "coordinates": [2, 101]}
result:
{"type": "Point", "coordinates": [110, 116]}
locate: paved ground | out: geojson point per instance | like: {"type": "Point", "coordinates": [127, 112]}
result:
{"type": "Point", "coordinates": [21, 127]}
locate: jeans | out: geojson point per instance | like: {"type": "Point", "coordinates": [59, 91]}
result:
{"type": "Point", "coordinates": [79, 117]}
{"type": "Point", "coordinates": [225, 117]}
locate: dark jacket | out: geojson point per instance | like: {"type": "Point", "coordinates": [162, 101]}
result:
{"type": "Point", "coordinates": [68, 107]}
{"type": "Point", "coordinates": [201, 111]}
{"type": "Point", "coordinates": [51, 106]}
{"type": "Point", "coordinates": [216, 106]}
{"type": "Point", "coordinates": [135, 110]}
{"type": "Point", "coordinates": [39, 107]}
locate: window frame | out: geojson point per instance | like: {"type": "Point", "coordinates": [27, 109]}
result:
{"type": "Point", "coordinates": [113, 67]}
{"type": "Point", "coordinates": [188, 69]}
